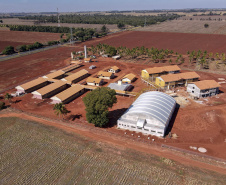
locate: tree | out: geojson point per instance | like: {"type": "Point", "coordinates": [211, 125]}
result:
{"type": "Point", "coordinates": [2, 105]}
{"type": "Point", "coordinates": [8, 50]}
{"type": "Point", "coordinates": [111, 51]}
{"type": "Point", "coordinates": [97, 104]}
{"type": "Point", "coordinates": [22, 48]}
{"type": "Point", "coordinates": [8, 97]}
{"type": "Point", "coordinates": [206, 25]}
{"type": "Point", "coordinates": [120, 25]}
{"type": "Point", "coordinates": [103, 29]}
{"type": "Point", "coordinates": [60, 109]}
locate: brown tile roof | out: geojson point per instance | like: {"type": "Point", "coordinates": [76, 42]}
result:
{"type": "Point", "coordinates": [33, 83]}
{"type": "Point", "coordinates": [207, 84]}
{"type": "Point", "coordinates": [55, 74]}
{"type": "Point", "coordinates": [69, 92]}
{"type": "Point", "coordinates": [103, 73]}
{"type": "Point", "coordinates": [155, 70]}
{"type": "Point", "coordinates": [51, 87]}
{"type": "Point", "coordinates": [77, 75]}
{"type": "Point", "coordinates": [114, 68]}
{"type": "Point", "coordinates": [130, 76]}
{"type": "Point", "coordinates": [179, 76]}
{"type": "Point", "coordinates": [93, 80]}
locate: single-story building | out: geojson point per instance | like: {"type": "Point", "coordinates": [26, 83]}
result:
{"type": "Point", "coordinates": [32, 85]}
{"type": "Point", "coordinates": [76, 77]}
{"type": "Point", "coordinates": [71, 67]}
{"type": "Point", "coordinates": [173, 80]}
{"type": "Point", "coordinates": [204, 88]}
{"type": "Point", "coordinates": [129, 78]}
{"type": "Point", "coordinates": [149, 114]}
{"type": "Point", "coordinates": [49, 90]}
{"type": "Point", "coordinates": [114, 69]}
{"type": "Point", "coordinates": [120, 86]}
{"type": "Point", "coordinates": [105, 75]}
{"type": "Point", "coordinates": [87, 60]}
{"type": "Point", "coordinates": [152, 73]}
{"type": "Point", "coordinates": [55, 75]}
{"type": "Point", "coordinates": [68, 95]}
{"type": "Point", "coordinates": [94, 81]}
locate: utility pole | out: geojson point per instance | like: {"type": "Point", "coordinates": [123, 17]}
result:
{"type": "Point", "coordinates": [71, 35]}
{"type": "Point", "coordinates": [58, 17]}
{"type": "Point", "coordinates": [145, 22]}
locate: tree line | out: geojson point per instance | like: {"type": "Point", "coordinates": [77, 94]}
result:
{"type": "Point", "coordinates": [104, 19]}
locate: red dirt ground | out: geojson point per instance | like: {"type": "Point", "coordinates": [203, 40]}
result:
{"type": "Point", "coordinates": [178, 42]}
{"type": "Point", "coordinates": [3, 44]}
{"type": "Point", "coordinates": [195, 124]}
{"type": "Point", "coordinates": [16, 38]}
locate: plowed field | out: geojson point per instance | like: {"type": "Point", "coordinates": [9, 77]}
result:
{"type": "Point", "coordinates": [178, 42]}
{"type": "Point", "coordinates": [16, 38]}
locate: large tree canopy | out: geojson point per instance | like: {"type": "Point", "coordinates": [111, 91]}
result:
{"type": "Point", "coordinates": [97, 103]}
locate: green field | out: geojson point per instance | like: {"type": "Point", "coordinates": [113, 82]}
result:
{"type": "Point", "coordinates": [31, 153]}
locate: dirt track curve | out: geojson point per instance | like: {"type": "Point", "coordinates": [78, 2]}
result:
{"type": "Point", "coordinates": [119, 143]}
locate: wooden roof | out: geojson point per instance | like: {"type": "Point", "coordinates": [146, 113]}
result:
{"type": "Point", "coordinates": [77, 75]}
{"type": "Point", "coordinates": [179, 76]}
{"type": "Point", "coordinates": [155, 70]}
{"type": "Point", "coordinates": [69, 92]}
{"type": "Point", "coordinates": [51, 87]}
{"type": "Point", "coordinates": [207, 84]}
{"type": "Point", "coordinates": [130, 76]}
{"type": "Point", "coordinates": [55, 74]}
{"type": "Point", "coordinates": [93, 80]}
{"type": "Point", "coordinates": [104, 73]}
{"type": "Point", "coordinates": [33, 83]}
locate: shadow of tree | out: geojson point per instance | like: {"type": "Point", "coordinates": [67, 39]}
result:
{"type": "Point", "coordinates": [114, 116]}
{"type": "Point", "coordinates": [73, 117]}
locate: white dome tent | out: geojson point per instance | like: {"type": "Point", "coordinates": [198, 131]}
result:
{"type": "Point", "coordinates": [149, 114]}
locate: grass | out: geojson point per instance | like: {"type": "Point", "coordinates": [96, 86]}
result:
{"type": "Point", "coordinates": [32, 153]}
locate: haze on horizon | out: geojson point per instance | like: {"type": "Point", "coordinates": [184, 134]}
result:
{"type": "Point", "coordinates": [103, 5]}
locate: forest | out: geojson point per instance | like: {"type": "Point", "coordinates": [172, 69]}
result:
{"type": "Point", "coordinates": [104, 19]}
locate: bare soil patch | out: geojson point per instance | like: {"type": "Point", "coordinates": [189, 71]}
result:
{"type": "Point", "coordinates": [178, 42]}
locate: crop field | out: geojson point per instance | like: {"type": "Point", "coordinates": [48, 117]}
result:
{"type": "Point", "coordinates": [16, 38]}
{"type": "Point", "coordinates": [32, 153]}
{"type": "Point", "coordinates": [178, 42]}
{"type": "Point", "coordinates": [188, 26]}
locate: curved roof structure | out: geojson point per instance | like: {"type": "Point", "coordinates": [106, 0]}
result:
{"type": "Point", "coordinates": [153, 104]}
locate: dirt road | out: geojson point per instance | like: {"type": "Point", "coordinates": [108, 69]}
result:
{"type": "Point", "coordinates": [119, 143]}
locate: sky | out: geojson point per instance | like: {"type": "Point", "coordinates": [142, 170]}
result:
{"type": "Point", "coordinates": [103, 5]}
